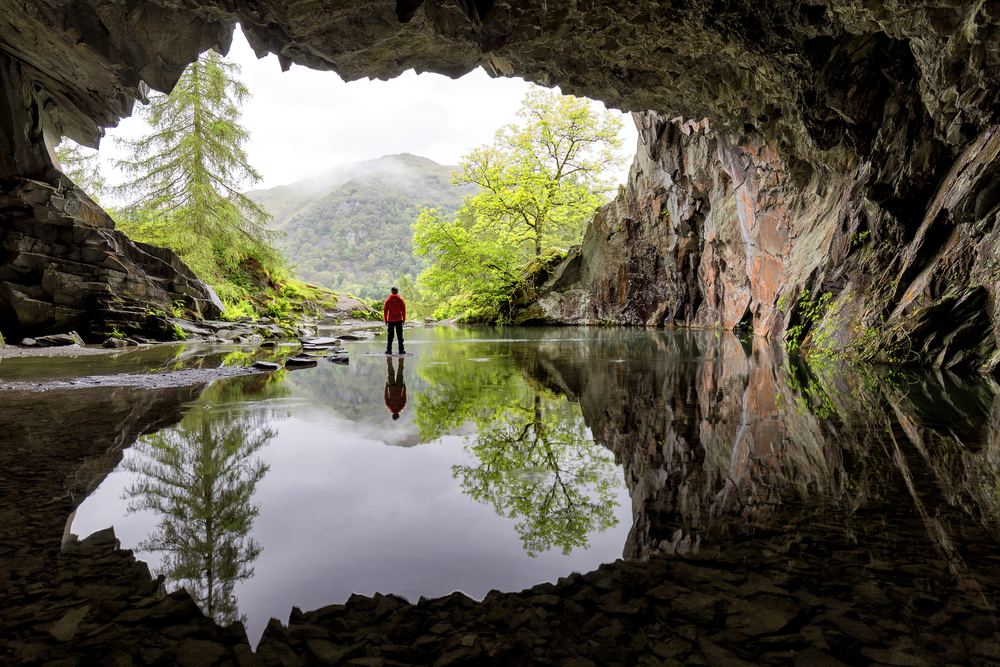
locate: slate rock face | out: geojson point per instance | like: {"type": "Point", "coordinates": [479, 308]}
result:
{"type": "Point", "coordinates": [714, 230]}
{"type": "Point", "coordinates": [848, 148]}
{"type": "Point", "coordinates": [66, 267]}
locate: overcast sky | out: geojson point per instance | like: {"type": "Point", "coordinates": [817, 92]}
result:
{"type": "Point", "coordinates": [303, 122]}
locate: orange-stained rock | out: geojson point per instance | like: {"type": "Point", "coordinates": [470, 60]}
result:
{"type": "Point", "coordinates": [726, 232]}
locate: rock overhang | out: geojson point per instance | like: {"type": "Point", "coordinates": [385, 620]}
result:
{"type": "Point", "coordinates": [802, 101]}
{"type": "Point", "coordinates": [821, 79]}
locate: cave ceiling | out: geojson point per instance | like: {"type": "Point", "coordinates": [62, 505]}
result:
{"type": "Point", "coordinates": [822, 79]}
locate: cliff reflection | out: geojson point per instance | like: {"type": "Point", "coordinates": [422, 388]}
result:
{"type": "Point", "coordinates": [535, 463]}
{"type": "Point", "coordinates": [721, 442]}
{"type": "Point", "coordinates": [199, 477]}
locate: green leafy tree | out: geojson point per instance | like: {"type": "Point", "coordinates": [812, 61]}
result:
{"type": "Point", "coordinates": [538, 185]}
{"type": "Point", "coordinates": [186, 178]}
{"type": "Point", "coordinates": [83, 167]}
{"type": "Point", "coordinates": [537, 466]}
{"type": "Point", "coordinates": [477, 265]}
{"type": "Point", "coordinates": [533, 460]}
{"type": "Point", "coordinates": [544, 177]}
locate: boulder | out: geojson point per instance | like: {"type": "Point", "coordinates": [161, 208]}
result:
{"type": "Point", "coordinates": [59, 340]}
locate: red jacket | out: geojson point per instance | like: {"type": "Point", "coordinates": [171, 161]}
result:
{"type": "Point", "coordinates": [395, 397]}
{"type": "Point", "coordinates": [394, 309]}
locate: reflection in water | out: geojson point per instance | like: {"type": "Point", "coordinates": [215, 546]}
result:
{"type": "Point", "coordinates": [534, 461]}
{"type": "Point", "coordinates": [833, 499]}
{"type": "Point", "coordinates": [719, 442]}
{"type": "Point", "coordinates": [395, 388]}
{"type": "Point", "coordinates": [199, 478]}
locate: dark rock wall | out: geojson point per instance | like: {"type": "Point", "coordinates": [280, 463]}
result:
{"type": "Point", "coordinates": [848, 147]}
{"type": "Point", "coordinates": [717, 230]}
{"type": "Point", "coordinates": [63, 265]}
{"type": "Point", "coordinates": [66, 267]}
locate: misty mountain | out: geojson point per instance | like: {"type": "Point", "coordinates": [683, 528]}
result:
{"type": "Point", "coordinates": [349, 229]}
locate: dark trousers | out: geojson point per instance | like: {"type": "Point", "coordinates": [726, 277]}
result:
{"type": "Point", "coordinates": [397, 329]}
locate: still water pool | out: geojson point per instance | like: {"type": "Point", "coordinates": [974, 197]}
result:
{"type": "Point", "coordinates": [804, 504]}
{"type": "Point", "coordinates": [300, 488]}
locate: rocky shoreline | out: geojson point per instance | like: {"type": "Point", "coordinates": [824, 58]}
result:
{"type": "Point", "coordinates": [92, 603]}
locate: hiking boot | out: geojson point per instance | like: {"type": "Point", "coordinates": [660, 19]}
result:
{"type": "Point", "coordinates": [402, 351]}
{"type": "Point", "coordinates": [389, 351]}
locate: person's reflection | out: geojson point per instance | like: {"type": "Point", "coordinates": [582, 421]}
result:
{"type": "Point", "coordinates": [395, 388]}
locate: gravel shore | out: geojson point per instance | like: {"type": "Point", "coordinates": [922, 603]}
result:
{"type": "Point", "coordinates": [10, 351]}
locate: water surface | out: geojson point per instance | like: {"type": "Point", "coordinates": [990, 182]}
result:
{"type": "Point", "coordinates": [301, 488]}
{"type": "Point", "coordinates": [521, 455]}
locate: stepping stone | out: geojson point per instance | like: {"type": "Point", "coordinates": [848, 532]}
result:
{"type": "Point", "coordinates": [300, 362]}
{"type": "Point", "coordinates": [319, 341]}
{"type": "Point", "coordinates": [266, 366]}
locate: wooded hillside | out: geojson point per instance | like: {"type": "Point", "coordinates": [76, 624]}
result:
{"type": "Point", "coordinates": [349, 230]}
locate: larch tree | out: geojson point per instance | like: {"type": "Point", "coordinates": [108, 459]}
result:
{"type": "Point", "coordinates": [83, 167]}
{"type": "Point", "coordinates": [187, 176]}
{"type": "Point", "coordinates": [197, 480]}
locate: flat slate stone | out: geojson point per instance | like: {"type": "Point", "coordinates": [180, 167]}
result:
{"type": "Point", "coordinates": [300, 362]}
{"type": "Point", "coordinates": [266, 365]}
{"type": "Point", "coordinates": [321, 340]}
{"type": "Point", "coordinates": [64, 629]}
{"type": "Point", "coordinates": [189, 327]}
{"type": "Point", "coordinates": [58, 340]}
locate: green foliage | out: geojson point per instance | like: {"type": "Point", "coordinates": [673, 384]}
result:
{"type": "Point", "coordinates": [418, 305]}
{"type": "Point", "coordinates": [809, 312]}
{"type": "Point", "coordinates": [83, 168]}
{"type": "Point", "coordinates": [472, 266]}
{"type": "Point", "coordinates": [186, 177]}
{"type": "Point", "coordinates": [858, 238]}
{"type": "Point", "coordinates": [237, 358]}
{"type": "Point", "coordinates": [236, 308]}
{"type": "Point", "coordinates": [276, 307]}
{"type": "Point", "coordinates": [533, 459]}
{"type": "Point", "coordinates": [372, 314]}
{"type": "Point", "coordinates": [539, 268]}
{"type": "Point", "coordinates": [198, 480]}
{"type": "Point", "coordinates": [540, 182]}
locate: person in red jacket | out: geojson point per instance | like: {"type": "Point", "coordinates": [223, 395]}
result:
{"type": "Point", "coordinates": [394, 314]}
{"type": "Point", "coordinates": [395, 389]}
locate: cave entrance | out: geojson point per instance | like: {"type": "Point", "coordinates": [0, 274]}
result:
{"type": "Point", "coordinates": [311, 133]}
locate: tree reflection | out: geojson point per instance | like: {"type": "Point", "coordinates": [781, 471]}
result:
{"type": "Point", "coordinates": [534, 460]}
{"type": "Point", "coordinates": [200, 477]}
